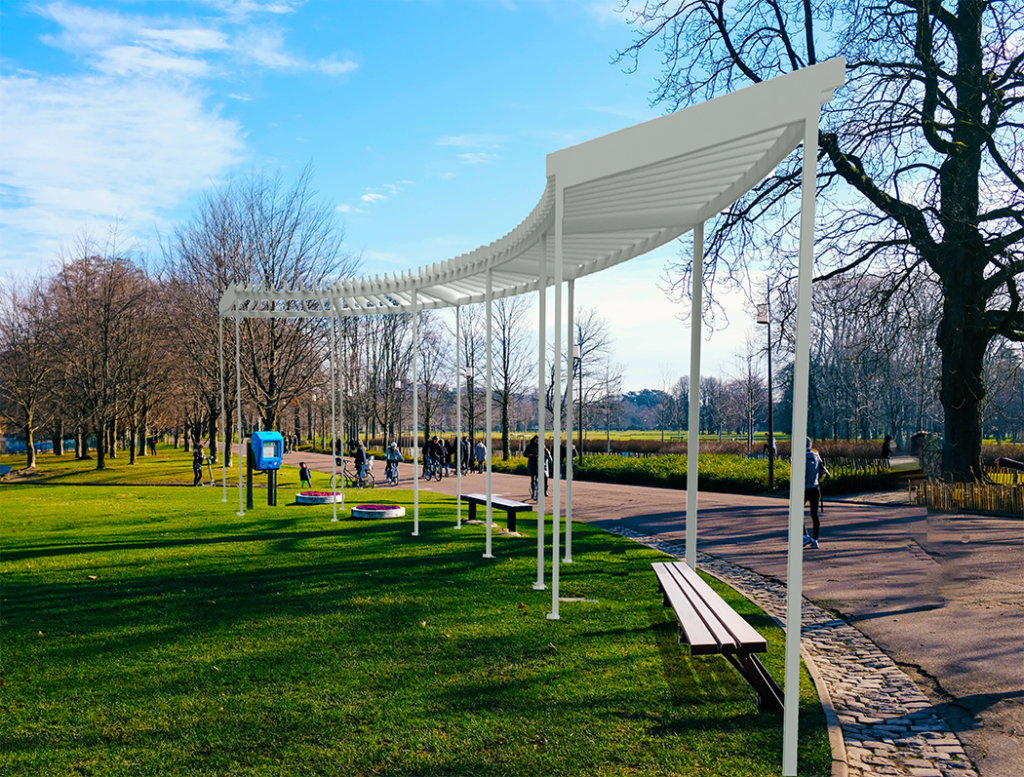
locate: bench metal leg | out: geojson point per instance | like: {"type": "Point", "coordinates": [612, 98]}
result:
{"type": "Point", "coordinates": [511, 520]}
{"type": "Point", "coordinates": [769, 694]}
{"type": "Point", "coordinates": [472, 511]}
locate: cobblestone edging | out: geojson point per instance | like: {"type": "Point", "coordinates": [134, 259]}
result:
{"type": "Point", "coordinates": [888, 726]}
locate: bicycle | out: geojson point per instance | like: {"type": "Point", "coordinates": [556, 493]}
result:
{"type": "Point", "coordinates": [352, 479]}
{"type": "Point", "coordinates": [433, 469]}
{"type": "Point", "coordinates": [391, 473]}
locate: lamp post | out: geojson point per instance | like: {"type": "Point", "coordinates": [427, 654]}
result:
{"type": "Point", "coordinates": [577, 357]}
{"type": "Point", "coordinates": [764, 317]}
{"type": "Point", "coordinates": [398, 389]}
{"type": "Point", "coordinates": [469, 399]}
{"type": "Point", "coordinates": [316, 413]}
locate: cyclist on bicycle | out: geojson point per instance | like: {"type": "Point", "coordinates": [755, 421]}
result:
{"type": "Point", "coordinates": [391, 458]}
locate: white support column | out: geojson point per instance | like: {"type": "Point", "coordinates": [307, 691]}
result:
{"type": "Point", "coordinates": [556, 421]}
{"type": "Point", "coordinates": [569, 425]}
{"type": "Point", "coordinates": [334, 425]}
{"type": "Point", "coordinates": [693, 433]}
{"type": "Point", "coordinates": [458, 420]}
{"type": "Point", "coordinates": [341, 406]}
{"type": "Point", "coordinates": [223, 418]}
{"type": "Point", "coordinates": [415, 420]}
{"type": "Point", "coordinates": [238, 395]}
{"type": "Point", "coordinates": [542, 324]}
{"type": "Point", "coordinates": [488, 439]}
{"type": "Point", "coordinates": [801, 381]}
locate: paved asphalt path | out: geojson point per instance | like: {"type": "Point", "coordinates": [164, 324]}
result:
{"type": "Point", "coordinates": [943, 596]}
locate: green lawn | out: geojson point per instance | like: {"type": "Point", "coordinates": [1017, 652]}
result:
{"type": "Point", "coordinates": [148, 630]}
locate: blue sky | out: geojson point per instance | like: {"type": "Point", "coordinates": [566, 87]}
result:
{"type": "Point", "coordinates": [427, 124]}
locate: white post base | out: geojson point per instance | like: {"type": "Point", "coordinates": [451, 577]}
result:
{"type": "Point", "coordinates": [488, 555]}
{"type": "Point", "coordinates": [539, 587]}
{"type": "Point", "coordinates": [552, 616]}
{"type": "Point", "coordinates": [240, 515]}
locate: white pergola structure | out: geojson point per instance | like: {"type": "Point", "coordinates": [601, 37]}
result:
{"type": "Point", "coordinates": [606, 201]}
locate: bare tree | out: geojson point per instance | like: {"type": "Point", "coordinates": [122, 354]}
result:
{"type": "Point", "coordinates": [472, 346]}
{"type": "Point", "coordinates": [27, 360]}
{"type": "Point", "coordinates": [920, 163]}
{"type": "Point", "coordinates": [95, 299]}
{"type": "Point", "coordinates": [434, 370]}
{"type": "Point", "coordinates": [513, 362]}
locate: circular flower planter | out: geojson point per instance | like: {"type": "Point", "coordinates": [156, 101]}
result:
{"type": "Point", "coordinates": [378, 511]}
{"type": "Point", "coordinates": [317, 497]}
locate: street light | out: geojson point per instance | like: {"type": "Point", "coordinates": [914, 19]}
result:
{"type": "Point", "coordinates": [398, 388]}
{"type": "Point", "coordinates": [469, 400]}
{"type": "Point", "coordinates": [577, 356]}
{"type": "Point", "coordinates": [764, 317]}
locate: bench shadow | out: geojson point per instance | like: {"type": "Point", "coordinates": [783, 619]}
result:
{"type": "Point", "coordinates": [693, 680]}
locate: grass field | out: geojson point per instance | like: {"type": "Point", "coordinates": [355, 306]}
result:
{"type": "Point", "coordinates": [148, 630]}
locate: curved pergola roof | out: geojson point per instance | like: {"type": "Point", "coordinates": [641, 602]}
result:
{"type": "Point", "coordinates": [622, 195]}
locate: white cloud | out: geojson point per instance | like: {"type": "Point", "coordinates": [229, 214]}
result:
{"type": "Point", "coordinates": [138, 60]}
{"type": "Point", "coordinates": [124, 44]}
{"type": "Point", "coordinates": [373, 197]}
{"type": "Point", "coordinates": [265, 46]}
{"type": "Point", "coordinates": [132, 136]}
{"type": "Point", "coordinates": [477, 141]}
{"type": "Point", "coordinates": [332, 67]}
{"type": "Point", "coordinates": [81, 151]}
{"type": "Point", "coordinates": [478, 157]}
{"type": "Point", "coordinates": [245, 8]}
{"type": "Point", "coordinates": [188, 39]}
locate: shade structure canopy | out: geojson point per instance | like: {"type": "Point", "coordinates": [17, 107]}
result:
{"type": "Point", "coordinates": [604, 202]}
{"type": "Point", "coordinates": [622, 195]}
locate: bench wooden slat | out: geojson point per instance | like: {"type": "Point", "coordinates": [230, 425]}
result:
{"type": "Point", "coordinates": [698, 635]}
{"type": "Point", "coordinates": [741, 634]}
{"type": "Point", "coordinates": [497, 501]}
{"type": "Point", "coordinates": [509, 506]}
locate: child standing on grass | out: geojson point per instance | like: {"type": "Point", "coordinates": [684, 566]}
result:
{"type": "Point", "coordinates": [304, 475]}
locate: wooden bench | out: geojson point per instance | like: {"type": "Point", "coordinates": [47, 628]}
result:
{"type": "Point", "coordinates": [510, 507]}
{"type": "Point", "coordinates": [709, 626]}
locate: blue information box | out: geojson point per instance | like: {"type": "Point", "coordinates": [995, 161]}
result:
{"type": "Point", "coordinates": [267, 449]}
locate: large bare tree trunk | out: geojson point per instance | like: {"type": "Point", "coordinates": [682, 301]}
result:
{"type": "Point", "coordinates": [963, 387]}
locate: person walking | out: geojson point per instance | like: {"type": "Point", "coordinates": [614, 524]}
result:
{"type": "Point", "coordinates": [481, 456]}
{"type": "Point", "coordinates": [532, 452]}
{"type": "Point", "coordinates": [304, 476]}
{"type": "Point", "coordinates": [197, 466]}
{"type": "Point", "coordinates": [359, 459]}
{"type": "Point", "coordinates": [814, 471]}
{"type": "Point", "coordinates": [887, 447]}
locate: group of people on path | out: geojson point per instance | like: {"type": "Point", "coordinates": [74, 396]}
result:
{"type": "Point", "coordinates": [442, 452]}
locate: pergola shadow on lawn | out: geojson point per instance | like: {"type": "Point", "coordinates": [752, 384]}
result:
{"type": "Point", "coordinates": [604, 202]}
{"type": "Point", "coordinates": [359, 649]}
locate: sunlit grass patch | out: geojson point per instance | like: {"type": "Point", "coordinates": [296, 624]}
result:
{"type": "Point", "coordinates": [151, 631]}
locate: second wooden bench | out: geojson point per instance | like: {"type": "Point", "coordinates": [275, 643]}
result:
{"type": "Point", "coordinates": [510, 507]}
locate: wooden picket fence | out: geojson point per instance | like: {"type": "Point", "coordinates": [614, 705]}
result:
{"type": "Point", "coordinates": [968, 497]}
